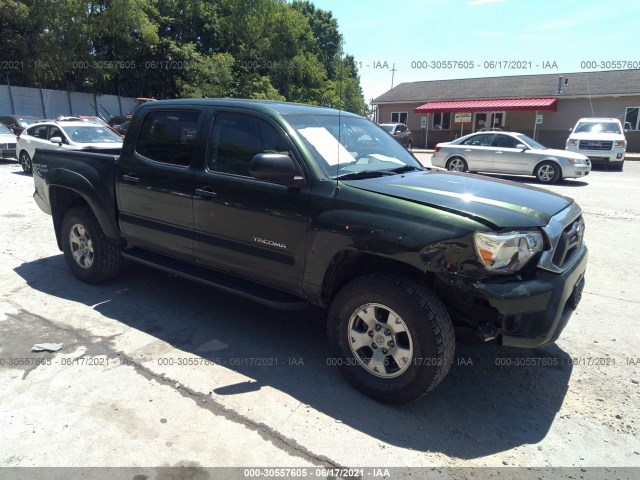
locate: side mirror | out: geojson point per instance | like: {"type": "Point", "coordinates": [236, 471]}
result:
{"type": "Point", "coordinates": [275, 167]}
{"type": "Point", "coordinates": [522, 147]}
{"type": "Point", "coordinates": [56, 140]}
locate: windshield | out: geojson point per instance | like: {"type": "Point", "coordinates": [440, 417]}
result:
{"type": "Point", "coordinates": [5, 130]}
{"type": "Point", "coordinates": [598, 127]}
{"type": "Point", "coordinates": [95, 120]}
{"type": "Point", "coordinates": [530, 141]}
{"type": "Point", "coordinates": [91, 134]}
{"type": "Point", "coordinates": [347, 145]}
{"type": "Point", "coordinates": [387, 126]}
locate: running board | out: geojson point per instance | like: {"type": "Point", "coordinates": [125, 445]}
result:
{"type": "Point", "coordinates": [227, 283]}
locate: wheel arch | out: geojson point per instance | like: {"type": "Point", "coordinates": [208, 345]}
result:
{"type": "Point", "coordinates": [64, 198]}
{"type": "Point", "coordinates": [553, 160]}
{"type": "Point", "coordinates": [349, 265]}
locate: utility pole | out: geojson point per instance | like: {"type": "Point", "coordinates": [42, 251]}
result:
{"type": "Point", "coordinates": [393, 71]}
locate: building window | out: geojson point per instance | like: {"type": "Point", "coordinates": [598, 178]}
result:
{"type": "Point", "coordinates": [632, 117]}
{"type": "Point", "coordinates": [399, 117]}
{"type": "Point", "coordinates": [442, 121]}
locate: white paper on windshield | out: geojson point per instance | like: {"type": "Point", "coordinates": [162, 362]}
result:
{"type": "Point", "coordinates": [327, 145]}
{"type": "Point", "coordinates": [384, 158]}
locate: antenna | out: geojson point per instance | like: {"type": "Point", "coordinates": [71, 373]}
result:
{"type": "Point", "coordinates": [393, 71]}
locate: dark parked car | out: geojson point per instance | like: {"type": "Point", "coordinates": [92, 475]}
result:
{"type": "Point", "coordinates": [400, 132]}
{"type": "Point", "coordinates": [292, 205]}
{"type": "Point", "coordinates": [17, 123]}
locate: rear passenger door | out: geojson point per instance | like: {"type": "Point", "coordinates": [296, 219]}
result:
{"type": "Point", "coordinates": [154, 181]}
{"type": "Point", "coordinates": [244, 226]}
{"type": "Point", "coordinates": [478, 151]}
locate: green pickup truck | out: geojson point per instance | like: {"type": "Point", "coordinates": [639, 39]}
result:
{"type": "Point", "coordinates": [292, 205]}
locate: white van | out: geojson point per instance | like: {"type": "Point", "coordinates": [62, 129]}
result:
{"type": "Point", "coordinates": [600, 139]}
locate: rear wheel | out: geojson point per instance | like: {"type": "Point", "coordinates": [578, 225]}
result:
{"type": "Point", "coordinates": [91, 256]}
{"type": "Point", "coordinates": [548, 172]}
{"type": "Point", "coordinates": [25, 161]}
{"type": "Point", "coordinates": [457, 164]}
{"type": "Point", "coordinates": [391, 338]}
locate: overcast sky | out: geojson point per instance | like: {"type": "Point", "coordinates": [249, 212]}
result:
{"type": "Point", "coordinates": [562, 35]}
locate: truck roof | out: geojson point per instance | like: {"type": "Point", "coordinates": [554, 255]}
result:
{"type": "Point", "coordinates": [266, 106]}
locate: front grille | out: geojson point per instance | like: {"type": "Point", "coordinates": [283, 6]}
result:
{"type": "Point", "coordinates": [595, 145]}
{"type": "Point", "coordinates": [569, 242]}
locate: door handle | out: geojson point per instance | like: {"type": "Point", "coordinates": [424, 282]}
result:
{"type": "Point", "coordinates": [130, 178]}
{"type": "Point", "coordinates": [206, 192]}
{"type": "Point", "coordinates": [468, 150]}
{"type": "Point", "coordinates": [499, 153]}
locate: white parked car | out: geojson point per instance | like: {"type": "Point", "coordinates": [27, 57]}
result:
{"type": "Point", "coordinates": [511, 153]}
{"type": "Point", "coordinates": [7, 143]}
{"type": "Point", "coordinates": [65, 135]}
{"type": "Point", "coordinates": [600, 139]}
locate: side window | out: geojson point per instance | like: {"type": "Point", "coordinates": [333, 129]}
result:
{"type": "Point", "coordinates": [505, 141]}
{"type": "Point", "coordinates": [484, 140]}
{"type": "Point", "coordinates": [56, 132]}
{"type": "Point", "coordinates": [39, 132]}
{"type": "Point", "coordinates": [235, 139]}
{"type": "Point", "coordinates": [168, 136]}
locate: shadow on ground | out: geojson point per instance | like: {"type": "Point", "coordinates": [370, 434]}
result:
{"type": "Point", "coordinates": [483, 407]}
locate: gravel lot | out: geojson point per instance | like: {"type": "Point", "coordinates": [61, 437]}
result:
{"type": "Point", "coordinates": [159, 371]}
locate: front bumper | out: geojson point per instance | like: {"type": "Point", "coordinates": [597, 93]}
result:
{"type": "Point", "coordinates": [8, 153]}
{"type": "Point", "coordinates": [602, 157]}
{"type": "Point", "coordinates": [533, 313]}
{"type": "Point", "coordinates": [574, 171]}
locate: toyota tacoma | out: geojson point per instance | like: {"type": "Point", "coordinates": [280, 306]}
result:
{"type": "Point", "coordinates": [292, 205]}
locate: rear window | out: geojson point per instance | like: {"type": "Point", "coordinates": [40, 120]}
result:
{"type": "Point", "coordinates": [168, 136]}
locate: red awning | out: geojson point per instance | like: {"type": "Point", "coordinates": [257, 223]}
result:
{"type": "Point", "coordinates": [495, 105]}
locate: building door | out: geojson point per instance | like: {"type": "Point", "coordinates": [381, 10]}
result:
{"type": "Point", "coordinates": [488, 120]}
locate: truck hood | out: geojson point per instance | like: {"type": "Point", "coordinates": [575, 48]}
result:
{"type": "Point", "coordinates": [499, 204]}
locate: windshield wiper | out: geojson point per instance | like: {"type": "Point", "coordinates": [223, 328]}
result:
{"type": "Point", "coordinates": [364, 174]}
{"type": "Point", "coordinates": [405, 168]}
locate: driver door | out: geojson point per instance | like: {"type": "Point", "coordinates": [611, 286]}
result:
{"type": "Point", "coordinates": [247, 227]}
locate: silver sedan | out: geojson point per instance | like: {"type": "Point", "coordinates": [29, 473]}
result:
{"type": "Point", "coordinates": [511, 153]}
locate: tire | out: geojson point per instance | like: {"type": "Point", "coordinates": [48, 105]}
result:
{"type": "Point", "coordinates": [422, 333]}
{"type": "Point", "coordinates": [619, 167]}
{"type": "Point", "coordinates": [410, 145]}
{"type": "Point", "coordinates": [548, 172]}
{"type": "Point", "coordinates": [91, 256]}
{"type": "Point", "coordinates": [25, 161]}
{"type": "Point", "coordinates": [457, 164]}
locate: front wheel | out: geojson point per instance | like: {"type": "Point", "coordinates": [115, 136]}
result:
{"type": "Point", "coordinates": [90, 255]}
{"type": "Point", "coordinates": [548, 172]}
{"type": "Point", "coordinates": [457, 164]}
{"type": "Point", "coordinates": [391, 338]}
{"type": "Point", "coordinates": [25, 161]}
{"type": "Point", "coordinates": [410, 145]}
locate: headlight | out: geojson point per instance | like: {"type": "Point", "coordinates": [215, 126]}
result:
{"type": "Point", "coordinates": [507, 252]}
{"type": "Point", "coordinates": [572, 141]}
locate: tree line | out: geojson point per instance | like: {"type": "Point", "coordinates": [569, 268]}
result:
{"type": "Point", "coordinates": [261, 49]}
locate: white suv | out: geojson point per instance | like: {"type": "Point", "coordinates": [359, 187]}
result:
{"type": "Point", "coordinates": [65, 135]}
{"type": "Point", "coordinates": [600, 139]}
